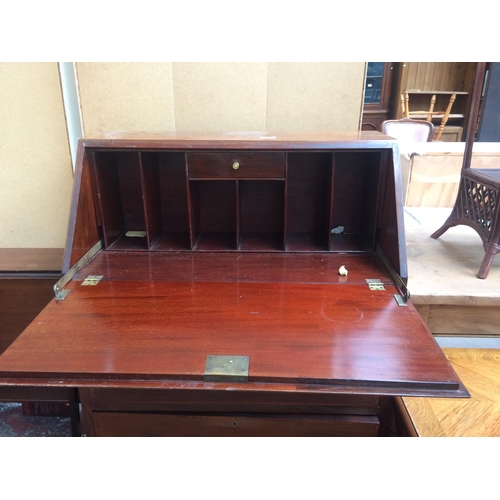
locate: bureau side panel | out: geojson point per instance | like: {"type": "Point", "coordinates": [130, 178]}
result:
{"type": "Point", "coordinates": [83, 230]}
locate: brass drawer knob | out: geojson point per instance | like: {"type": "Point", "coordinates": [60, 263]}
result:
{"type": "Point", "coordinates": [236, 165]}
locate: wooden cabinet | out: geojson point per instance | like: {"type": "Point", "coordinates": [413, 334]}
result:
{"type": "Point", "coordinates": [185, 248]}
{"type": "Point", "coordinates": [378, 101]}
{"type": "Point", "coordinates": [27, 276]}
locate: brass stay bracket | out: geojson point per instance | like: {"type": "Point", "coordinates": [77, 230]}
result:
{"type": "Point", "coordinates": [58, 287]}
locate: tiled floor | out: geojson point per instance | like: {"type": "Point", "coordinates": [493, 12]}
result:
{"type": "Point", "coordinates": [14, 424]}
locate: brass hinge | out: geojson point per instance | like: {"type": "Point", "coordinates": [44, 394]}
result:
{"type": "Point", "coordinates": [91, 280]}
{"type": "Point", "coordinates": [375, 284]}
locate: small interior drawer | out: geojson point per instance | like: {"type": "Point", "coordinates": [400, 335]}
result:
{"type": "Point", "coordinates": [236, 165]}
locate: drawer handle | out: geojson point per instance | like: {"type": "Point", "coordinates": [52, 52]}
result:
{"type": "Point", "coordinates": [236, 165]}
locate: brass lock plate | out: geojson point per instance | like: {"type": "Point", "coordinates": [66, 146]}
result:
{"type": "Point", "coordinates": [226, 368]}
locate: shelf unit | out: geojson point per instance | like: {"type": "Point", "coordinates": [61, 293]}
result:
{"type": "Point", "coordinates": [286, 201]}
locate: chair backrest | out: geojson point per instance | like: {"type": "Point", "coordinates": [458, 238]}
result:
{"type": "Point", "coordinates": [407, 130]}
{"type": "Point", "coordinates": [430, 113]}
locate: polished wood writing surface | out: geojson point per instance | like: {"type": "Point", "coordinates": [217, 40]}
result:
{"type": "Point", "coordinates": [293, 333]}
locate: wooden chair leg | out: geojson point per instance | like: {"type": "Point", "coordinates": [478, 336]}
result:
{"type": "Point", "coordinates": [445, 117]}
{"type": "Point", "coordinates": [491, 250]}
{"type": "Point", "coordinates": [431, 108]}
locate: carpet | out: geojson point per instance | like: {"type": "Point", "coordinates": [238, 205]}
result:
{"type": "Point", "coordinates": [14, 424]}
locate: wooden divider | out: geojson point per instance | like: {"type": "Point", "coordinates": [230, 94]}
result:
{"type": "Point", "coordinates": [156, 200]}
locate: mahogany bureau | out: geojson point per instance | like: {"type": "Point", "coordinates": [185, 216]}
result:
{"type": "Point", "coordinates": [234, 284]}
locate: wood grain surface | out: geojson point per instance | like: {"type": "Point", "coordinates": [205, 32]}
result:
{"type": "Point", "coordinates": [83, 231]}
{"type": "Point", "coordinates": [21, 299]}
{"type": "Point", "coordinates": [251, 267]}
{"type": "Point", "coordinates": [341, 335]}
{"type": "Point", "coordinates": [479, 416]}
{"type": "Point", "coordinates": [247, 140]}
{"type": "Point", "coordinates": [134, 424]}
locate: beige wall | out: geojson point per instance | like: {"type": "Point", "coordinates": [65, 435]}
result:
{"type": "Point", "coordinates": [125, 96]}
{"type": "Point", "coordinates": [220, 96]}
{"type": "Point", "coordinates": [35, 165]}
{"type": "Point", "coordinates": [314, 96]}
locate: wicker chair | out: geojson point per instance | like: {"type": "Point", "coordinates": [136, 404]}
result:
{"type": "Point", "coordinates": [478, 199]}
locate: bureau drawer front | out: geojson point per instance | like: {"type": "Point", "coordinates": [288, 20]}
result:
{"type": "Point", "coordinates": [222, 401]}
{"type": "Point", "coordinates": [166, 425]}
{"type": "Point", "coordinates": [236, 165]}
